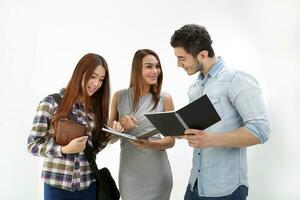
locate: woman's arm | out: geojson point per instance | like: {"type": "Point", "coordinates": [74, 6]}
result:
{"type": "Point", "coordinates": [126, 121]}
{"type": "Point", "coordinates": [40, 142]}
{"type": "Point", "coordinates": [114, 115]}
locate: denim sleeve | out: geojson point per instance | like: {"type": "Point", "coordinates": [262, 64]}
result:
{"type": "Point", "coordinates": [40, 142]}
{"type": "Point", "coordinates": [245, 95]}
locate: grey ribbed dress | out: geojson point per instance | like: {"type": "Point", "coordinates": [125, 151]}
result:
{"type": "Point", "coordinates": [144, 173]}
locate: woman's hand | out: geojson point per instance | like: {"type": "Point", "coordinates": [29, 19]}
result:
{"type": "Point", "coordinates": [118, 127]}
{"type": "Point", "coordinates": [159, 144]}
{"type": "Point", "coordinates": [128, 122]}
{"type": "Point", "coordinates": [77, 145]}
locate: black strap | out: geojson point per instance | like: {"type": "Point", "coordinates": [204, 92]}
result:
{"type": "Point", "coordinates": [88, 152]}
{"type": "Point", "coordinates": [57, 98]}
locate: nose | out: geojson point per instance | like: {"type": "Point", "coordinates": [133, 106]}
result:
{"type": "Point", "coordinates": [179, 64]}
{"type": "Point", "coordinates": [96, 83]}
{"type": "Point", "coordinates": [154, 70]}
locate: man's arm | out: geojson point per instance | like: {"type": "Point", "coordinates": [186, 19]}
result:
{"type": "Point", "coordinates": [245, 96]}
{"type": "Point", "coordinates": [240, 137]}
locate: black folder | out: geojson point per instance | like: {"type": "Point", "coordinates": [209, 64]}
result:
{"type": "Point", "coordinates": [199, 114]}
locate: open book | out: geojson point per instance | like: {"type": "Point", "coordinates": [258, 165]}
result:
{"type": "Point", "coordinates": [199, 114]}
{"type": "Point", "coordinates": [131, 137]}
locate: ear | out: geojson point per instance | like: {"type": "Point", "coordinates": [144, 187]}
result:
{"type": "Point", "coordinates": [202, 55]}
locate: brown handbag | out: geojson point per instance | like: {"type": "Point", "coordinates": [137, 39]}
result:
{"type": "Point", "coordinates": [68, 130]}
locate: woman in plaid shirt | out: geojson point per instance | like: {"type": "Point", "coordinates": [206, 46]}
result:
{"type": "Point", "coordinates": [66, 172]}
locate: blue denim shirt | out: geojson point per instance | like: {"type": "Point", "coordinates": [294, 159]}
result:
{"type": "Point", "coordinates": [237, 98]}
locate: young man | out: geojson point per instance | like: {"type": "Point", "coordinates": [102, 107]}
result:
{"type": "Point", "coordinates": [220, 159]}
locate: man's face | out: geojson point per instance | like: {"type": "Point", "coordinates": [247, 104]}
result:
{"type": "Point", "coordinates": [185, 60]}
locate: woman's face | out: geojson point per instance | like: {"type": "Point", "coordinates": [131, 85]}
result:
{"type": "Point", "coordinates": [95, 81]}
{"type": "Point", "coordinates": [150, 70]}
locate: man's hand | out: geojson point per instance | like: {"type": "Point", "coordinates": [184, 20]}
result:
{"type": "Point", "coordinates": [198, 138]}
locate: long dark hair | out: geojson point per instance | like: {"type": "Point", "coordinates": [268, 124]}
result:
{"type": "Point", "coordinates": [136, 80]}
{"type": "Point", "coordinates": [98, 103]}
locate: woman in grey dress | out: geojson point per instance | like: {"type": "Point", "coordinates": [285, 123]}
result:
{"type": "Point", "coordinates": [145, 171]}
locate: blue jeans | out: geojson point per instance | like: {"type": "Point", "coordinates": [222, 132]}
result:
{"type": "Point", "coordinates": [240, 193]}
{"type": "Point", "coordinates": [52, 193]}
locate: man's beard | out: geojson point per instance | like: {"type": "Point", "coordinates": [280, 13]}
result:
{"type": "Point", "coordinates": [199, 66]}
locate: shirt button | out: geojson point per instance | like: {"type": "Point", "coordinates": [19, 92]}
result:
{"type": "Point", "coordinates": [77, 165]}
{"type": "Point", "coordinates": [198, 170]}
{"type": "Point", "coordinates": [199, 154]}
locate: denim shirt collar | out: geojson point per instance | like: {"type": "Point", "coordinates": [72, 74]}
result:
{"type": "Point", "coordinates": [214, 69]}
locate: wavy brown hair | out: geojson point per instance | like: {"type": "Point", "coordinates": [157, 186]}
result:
{"type": "Point", "coordinates": [136, 78]}
{"type": "Point", "coordinates": [98, 103]}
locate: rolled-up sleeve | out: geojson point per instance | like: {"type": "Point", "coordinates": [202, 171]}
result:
{"type": "Point", "coordinates": [40, 142]}
{"type": "Point", "coordinates": [245, 95]}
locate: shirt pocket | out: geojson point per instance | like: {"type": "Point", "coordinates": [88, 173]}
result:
{"type": "Point", "coordinates": [216, 102]}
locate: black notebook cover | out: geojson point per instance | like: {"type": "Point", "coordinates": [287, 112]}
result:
{"type": "Point", "coordinates": [199, 114]}
{"type": "Point", "coordinates": [166, 123]}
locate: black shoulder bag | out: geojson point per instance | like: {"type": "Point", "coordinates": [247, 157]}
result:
{"type": "Point", "coordinates": [106, 185]}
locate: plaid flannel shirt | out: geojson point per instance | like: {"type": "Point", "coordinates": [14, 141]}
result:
{"type": "Point", "coordinates": [66, 171]}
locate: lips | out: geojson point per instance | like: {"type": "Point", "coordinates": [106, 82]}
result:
{"type": "Point", "coordinates": [91, 89]}
{"type": "Point", "coordinates": [153, 77]}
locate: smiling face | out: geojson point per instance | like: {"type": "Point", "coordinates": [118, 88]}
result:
{"type": "Point", "coordinates": [189, 63]}
{"type": "Point", "coordinates": [95, 81]}
{"type": "Point", "coordinates": [150, 70]}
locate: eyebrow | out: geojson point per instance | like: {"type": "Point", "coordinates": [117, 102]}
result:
{"type": "Point", "coordinates": [151, 63]}
{"type": "Point", "coordinates": [94, 73]}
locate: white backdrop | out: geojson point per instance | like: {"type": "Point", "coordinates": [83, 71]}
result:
{"type": "Point", "coordinates": [41, 42]}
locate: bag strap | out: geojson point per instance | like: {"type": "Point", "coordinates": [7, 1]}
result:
{"type": "Point", "coordinates": [57, 98]}
{"type": "Point", "coordinates": [88, 151]}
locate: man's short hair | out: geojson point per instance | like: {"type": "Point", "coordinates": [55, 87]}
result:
{"type": "Point", "coordinates": [193, 39]}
